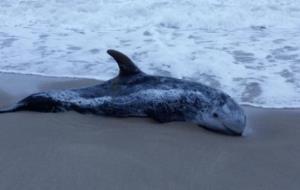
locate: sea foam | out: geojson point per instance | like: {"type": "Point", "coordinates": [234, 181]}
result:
{"type": "Point", "coordinates": [248, 49]}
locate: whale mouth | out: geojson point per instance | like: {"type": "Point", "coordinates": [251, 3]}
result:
{"type": "Point", "coordinates": [226, 130]}
{"type": "Point", "coordinates": [231, 131]}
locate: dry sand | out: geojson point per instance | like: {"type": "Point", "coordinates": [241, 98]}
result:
{"type": "Point", "coordinates": [43, 151]}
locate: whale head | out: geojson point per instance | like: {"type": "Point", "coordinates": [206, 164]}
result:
{"type": "Point", "coordinates": [223, 115]}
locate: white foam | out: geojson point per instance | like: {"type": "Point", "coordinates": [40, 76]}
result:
{"type": "Point", "coordinates": [248, 49]}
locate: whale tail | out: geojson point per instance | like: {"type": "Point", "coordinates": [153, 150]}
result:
{"type": "Point", "coordinates": [126, 65]}
{"type": "Point", "coordinates": [11, 109]}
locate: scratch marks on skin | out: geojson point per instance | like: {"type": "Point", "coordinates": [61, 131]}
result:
{"type": "Point", "coordinates": [159, 95]}
{"type": "Point", "coordinates": [68, 97]}
{"type": "Point", "coordinates": [131, 101]}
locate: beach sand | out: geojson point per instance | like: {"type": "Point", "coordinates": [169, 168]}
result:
{"type": "Point", "coordinates": [74, 151]}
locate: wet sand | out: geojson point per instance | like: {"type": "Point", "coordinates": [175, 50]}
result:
{"type": "Point", "coordinates": [74, 151]}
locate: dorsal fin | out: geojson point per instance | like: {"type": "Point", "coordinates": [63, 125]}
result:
{"type": "Point", "coordinates": [126, 66]}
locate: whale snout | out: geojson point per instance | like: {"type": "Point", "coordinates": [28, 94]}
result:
{"type": "Point", "coordinates": [236, 125]}
{"type": "Point", "coordinates": [228, 129]}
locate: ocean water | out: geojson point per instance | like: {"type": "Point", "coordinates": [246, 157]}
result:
{"type": "Point", "coordinates": [249, 49]}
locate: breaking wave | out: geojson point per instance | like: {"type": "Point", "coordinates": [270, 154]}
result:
{"type": "Point", "coordinates": [248, 49]}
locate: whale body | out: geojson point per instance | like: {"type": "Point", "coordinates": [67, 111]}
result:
{"type": "Point", "coordinates": [135, 94]}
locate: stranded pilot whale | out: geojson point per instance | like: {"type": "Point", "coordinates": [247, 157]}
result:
{"type": "Point", "coordinates": [135, 94]}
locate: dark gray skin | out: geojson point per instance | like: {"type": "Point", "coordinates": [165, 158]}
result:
{"type": "Point", "coordinates": [135, 94]}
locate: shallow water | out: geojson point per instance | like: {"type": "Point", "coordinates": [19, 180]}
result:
{"type": "Point", "coordinates": [249, 50]}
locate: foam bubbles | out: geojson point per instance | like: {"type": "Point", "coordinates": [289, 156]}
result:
{"type": "Point", "coordinates": [248, 49]}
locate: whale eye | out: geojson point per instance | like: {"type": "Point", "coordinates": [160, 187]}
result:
{"type": "Point", "coordinates": [215, 115]}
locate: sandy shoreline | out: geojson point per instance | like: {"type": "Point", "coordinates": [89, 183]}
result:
{"type": "Point", "coordinates": [74, 151]}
